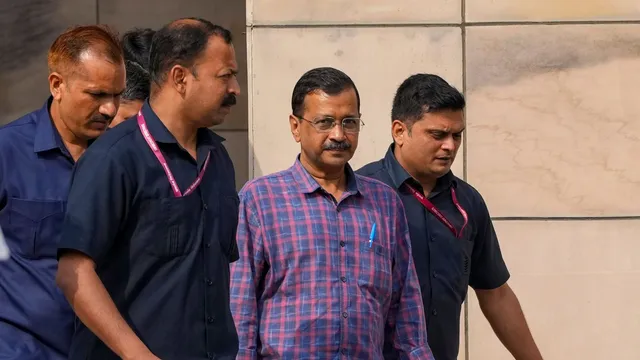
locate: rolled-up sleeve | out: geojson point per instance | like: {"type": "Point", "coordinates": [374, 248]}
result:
{"type": "Point", "coordinates": [406, 328]}
{"type": "Point", "coordinates": [246, 275]}
{"type": "Point", "coordinates": [99, 198]}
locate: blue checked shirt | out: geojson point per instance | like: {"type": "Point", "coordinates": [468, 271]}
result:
{"type": "Point", "coordinates": [310, 285]}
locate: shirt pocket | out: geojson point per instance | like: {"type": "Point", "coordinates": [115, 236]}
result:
{"type": "Point", "coordinates": [171, 225]}
{"type": "Point", "coordinates": [36, 225]}
{"type": "Point", "coordinates": [228, 225]}
{"type": "Point", "coordinates": [374, 262]}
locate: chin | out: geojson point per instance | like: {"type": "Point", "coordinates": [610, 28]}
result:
{"type": "Point", "coordinates": [214, 121]}
{"type": "Point", "coordinates": [441, 171]}
{"type": "Point", "coordinates": [337, 160]}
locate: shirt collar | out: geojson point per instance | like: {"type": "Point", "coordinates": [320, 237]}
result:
{"type": "Point", "coordinates": [47, 136]}
{"type": "Point", "coordinates": [307, 184]}
{"type": "Point", "coordinates": [399, 175]}
{"type": "Point", "coordinates": [161, 134]}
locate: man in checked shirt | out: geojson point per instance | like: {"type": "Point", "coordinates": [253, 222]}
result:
{"type": "Point", "coordinates": [325, 269]}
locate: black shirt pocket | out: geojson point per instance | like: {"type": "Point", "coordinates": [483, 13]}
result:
{"type": "Point", "coordinates": [36, 224]}
{"type": "Point", "coordinates": [171, 225]}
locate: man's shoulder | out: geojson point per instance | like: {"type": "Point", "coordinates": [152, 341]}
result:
{"type": "Point", "coordinates": [376, 170]}
{"type": "Point", "coordinates": [378, 192]}
{"type": "Point", "coordinates": [467, 189]}
{"type": "Point", "coordinates": [116, 139]}
{"type": "Point", "coordinates": [24, 125]}
{"type": "Point", "coordinates": [275, 182]}
{"type": "Point", "coordinates": [372, 169]}
{"type": "Point", "coordinates": [371, 183]}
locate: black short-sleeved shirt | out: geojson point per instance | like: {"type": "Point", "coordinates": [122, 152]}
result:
{"type": "Point", "coordinates": [164, 260]}
{"type": "Point", "coordinates": [446, 265]}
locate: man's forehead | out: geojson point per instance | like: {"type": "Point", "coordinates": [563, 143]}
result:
{"type": "Point", "coordinates": [91, 63]}
{"type": "Point", "coordinates": [446, 120]}
{"type": "Point", "coordinates": [323, 104]}
{"type": "Point", "coordinates": [221, 53]}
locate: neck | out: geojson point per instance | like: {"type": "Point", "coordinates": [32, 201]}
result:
{"type": "Point", "coordinates": [334, 182]}
{"type": "Point", "coordinates": [428, 182]}
{"type": "Point", "coordinates": [173, 119]}
{"type": "Point", "coordinates": [74, 144]}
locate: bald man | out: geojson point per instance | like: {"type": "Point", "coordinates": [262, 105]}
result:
{"type": "Point", "coordinates": [37, 154]}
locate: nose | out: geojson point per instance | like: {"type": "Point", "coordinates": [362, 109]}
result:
{"type": "Point", "coordinates": [110, 107]}
{"type": "Point", "coordinates": [337, 133]}
{"type": "Point", "coordinates": [234, 87]}
{"type": "Point", "coordinates": [449, 143]}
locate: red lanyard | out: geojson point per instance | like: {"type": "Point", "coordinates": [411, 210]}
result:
{"type": "Point", "coordinates": [432, 209]}
{"type": "Point", "coordinates": [142, 124]}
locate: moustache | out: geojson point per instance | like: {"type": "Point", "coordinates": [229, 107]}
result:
{"type": "Point", "coordinates": [334, 145]}
{"type": "Point", "coordinates": [229, 100]}
{"type": "Point", "coordinates": [100, 118]}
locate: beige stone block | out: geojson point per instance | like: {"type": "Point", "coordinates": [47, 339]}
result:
{"type": "Point", "coordinates": [577, 282]}
{"type": "Point", "coordinates": [549, 10]}
{"type": "Point", "coordinates": [287, 12]}
{"type": "Point", "coordinates": [553, 126]}
{"type": "Point", "coordinates": [237, 144]}
{"type": "Point", "coordinates": [280, 56]}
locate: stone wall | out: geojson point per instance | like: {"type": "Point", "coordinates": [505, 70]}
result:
{"type": "Point", "coordinates": [552, 142]}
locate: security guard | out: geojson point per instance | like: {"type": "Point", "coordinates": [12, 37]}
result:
{"type": "Point", "coordinates": [37, 155]}
{"type": "Point", "coordinates": [453, 241]}
{"type": "Point", "coordinates": [150, 226]}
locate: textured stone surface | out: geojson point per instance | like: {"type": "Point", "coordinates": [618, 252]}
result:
{"type": "Point", "coordinates": [553, 125]}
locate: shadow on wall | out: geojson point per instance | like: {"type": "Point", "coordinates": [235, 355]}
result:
{"type": "Point", "coordinates": [28, 28]}
{"type": "Point", "coordinates": [514, 53]}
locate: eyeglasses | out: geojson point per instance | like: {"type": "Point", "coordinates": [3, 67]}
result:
{"type": "Point", "coordinates": [350, 125]}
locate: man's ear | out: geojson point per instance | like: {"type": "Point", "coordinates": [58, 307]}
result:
{"type": "Point", "coordinates": [294, 123]}
{"type": "Point", "coordinates": [399, 130]}
{"type": "Point", "coordinates": [177, 77]}
{"type": "Point", "coordinates": [56, 85]}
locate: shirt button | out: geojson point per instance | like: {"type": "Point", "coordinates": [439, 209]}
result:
{"type": "Point", "coordinates": [208, 245]}
{"type": "Point", "coordinates": [344, 351]}
{"type": "Point", "coordinates": [432, 238]}
{"type": "Point", "coordinates": [209, 355]}
{"type": "Point", "coordinates": [345, 315]}
{"type": "Point", "coordinates": [343, 278]}
{"type": "Point", "coordinates": [342, 243]}
{"type": "Point", "coordinates": [210, 319]}
{"type": "Point", "coordinates": [209, 282]}
{"type": "Point", "coordinates": [204, 206]}
{"type": "Point", "coordinates": [434, 312]}
{"type": "Point", "coordinates": [435, 274]}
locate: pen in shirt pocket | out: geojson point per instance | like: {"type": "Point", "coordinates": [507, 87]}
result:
{"type": "Point", "coordinates": [372, 235]}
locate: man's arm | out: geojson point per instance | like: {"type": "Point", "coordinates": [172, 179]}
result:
{"type": "Point", "coordinates": [499, 304]}
{"type": "Point", "coordinates": [246, 275]}
{"type": "Point", "coordinates": [98, 201]}
{"type": "Point", "coordinates": [406, 327]}
{"type": "Point", "coordinates": [502, 309]}
{"type": "Point", "coordinates": [95, 308]}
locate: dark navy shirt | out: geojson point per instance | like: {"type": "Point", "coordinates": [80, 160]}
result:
{"type": "Point", "coordinates": [164, 260]}
{"type": "Point", "coordinates": [36, 322]}
{"type": "Point", "coordinates": [446, 265]}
